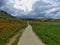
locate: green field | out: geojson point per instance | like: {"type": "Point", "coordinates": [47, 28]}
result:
{"type": "Point", "coordinates": [49, 32]}
{"type": "Point", "coordinates": [9, 26]}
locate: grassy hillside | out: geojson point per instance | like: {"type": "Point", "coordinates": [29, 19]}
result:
{"type": "Point", "coordinates": [5, 15]}
{"type": "Point", "coordinates": [9, 26]}
{"type": "Point", "coordinates": [49, 32]}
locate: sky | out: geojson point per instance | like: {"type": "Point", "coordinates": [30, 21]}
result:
{"type": "Point", "coordinates": [32, 8]}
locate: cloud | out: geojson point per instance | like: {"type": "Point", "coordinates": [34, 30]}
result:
{"type": "Point", "coordinates": [24, 4]}
{"type": "Point", "coordinates": [32, 8]}
{"type": "Point", "coordinates": [1, 3]}
{"type": "Point", "coordinates": [17, 6]}
{"type": "Point", "coordinates": [47, 8]}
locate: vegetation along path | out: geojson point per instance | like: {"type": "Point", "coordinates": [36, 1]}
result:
{"type": "Point", "coordinates": [29, 37]}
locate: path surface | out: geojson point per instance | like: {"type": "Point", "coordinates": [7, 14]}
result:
{"type": "Point", "coordinates": [29, 38]}
{"type": "Point", "coordinates": [11, 40]}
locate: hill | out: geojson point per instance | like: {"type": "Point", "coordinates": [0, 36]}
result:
{"type": "Point", "coordinates": [4, 14]}
{"type": "Point", "coordinates": [8, 18]}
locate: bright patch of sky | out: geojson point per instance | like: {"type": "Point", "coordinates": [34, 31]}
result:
{"type": "Point", "coordinates": [25, 5]}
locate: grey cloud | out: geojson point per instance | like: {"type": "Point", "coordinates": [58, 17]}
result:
{"type": "Point", "coordinates": [39, 9]}
{"type": "Point", "coordinates": [1, 2]}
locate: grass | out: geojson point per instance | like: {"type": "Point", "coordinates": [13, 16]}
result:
{"type": "Point", "coordinates": [7, 30]}
{"type": "Point", "coordinates": [17, 38]}
{"type": "Point", "coordinates": [49, 32]}
{"type": "Point", "coordinates": [9, 26]}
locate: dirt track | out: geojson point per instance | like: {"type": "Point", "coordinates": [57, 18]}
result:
{"type": "Point", "coordinates": [29, 38]}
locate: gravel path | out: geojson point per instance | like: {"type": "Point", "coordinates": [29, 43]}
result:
{"type": "Point", "coordinates": [29, 37]}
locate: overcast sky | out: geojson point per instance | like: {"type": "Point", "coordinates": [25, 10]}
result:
{"type": "Point", "coordinates": [32, 8]}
